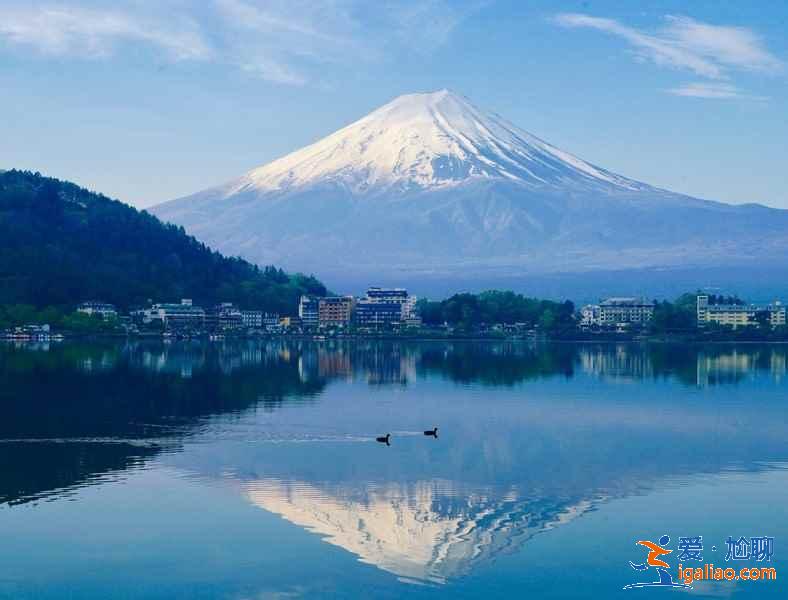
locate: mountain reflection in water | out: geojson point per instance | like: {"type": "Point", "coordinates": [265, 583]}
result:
{"type": "Point", "coordinates": [531, 436]}
{"type": "Point", "coordinates": [423, 531]}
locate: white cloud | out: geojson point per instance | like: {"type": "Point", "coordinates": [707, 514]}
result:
{"type": "Point", "coordinates": [709, 51]}
{"type": "Point", "coordinates": [282, 41]}
{"type": "Point", "coordinates": [274, 72]}
{"type": "Point", "coordinates": [95, 33]}
{"type": "Point", "coordinates": [659, 50]}
{"type": "Point", "coordinates": [712, 89]}
{"type": "Point", "coordinates": [428, 24]}
{"type": "Point", "coordinates": [294, 35]}
{"type": "Point", "coordinates": [705, 89]}
{"type": "Point", "coordinates": [736, 47]}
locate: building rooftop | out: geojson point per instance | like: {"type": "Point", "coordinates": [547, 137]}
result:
{"type": "Point", "coordinates": [626, 301]}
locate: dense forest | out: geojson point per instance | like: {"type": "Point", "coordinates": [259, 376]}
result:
{"type": "Point", "coordinates": [677, 316]}
{"type": "Point", "coordinates": [62, 244]}
{"type": "Point", "coordinates": [471, 310]}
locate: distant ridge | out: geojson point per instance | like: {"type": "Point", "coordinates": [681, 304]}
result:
{"type": "Point", "coordinates": [430, 186]}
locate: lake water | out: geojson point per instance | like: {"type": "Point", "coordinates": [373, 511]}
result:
{"type": "Point", "coordinates": [250, 470]}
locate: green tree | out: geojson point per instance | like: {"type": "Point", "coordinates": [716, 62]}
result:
{"type": "Point", "coordinates": [61, 245]}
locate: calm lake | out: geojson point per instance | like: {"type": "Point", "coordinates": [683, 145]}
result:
{"type": "Point", "coordinates": [251, 470]}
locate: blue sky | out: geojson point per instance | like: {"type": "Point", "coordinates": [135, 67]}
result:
{"type": "Point", "coordinates": [147, 101]}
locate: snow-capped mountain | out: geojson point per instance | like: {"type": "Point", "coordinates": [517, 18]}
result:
{"type": "Point", "coordinates": [426, 141]}
{"type": "Point", "coordinates": [429, 185]}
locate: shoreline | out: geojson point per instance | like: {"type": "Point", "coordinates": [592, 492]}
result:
{"type": "Point", "coordinates": [657, 340]}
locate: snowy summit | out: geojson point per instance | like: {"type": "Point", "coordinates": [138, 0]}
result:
{"type": "Point", "coordinates": [426, 140]}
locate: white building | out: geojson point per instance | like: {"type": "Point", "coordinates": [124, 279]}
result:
{"type": "Point", "coordinates": [252, 319]}
{"type": "Point", "coordinates": [589, 315]}
{"type": "Point", "coordinates": [739, 315]}
{"type": "Point", "coordinates": [399, 296]}
{"type": "Point", "coordinates": [225, 317]}
{"type": "Point", "coordinates": [105, 310]}
{"type": "Point", "coordinates": [175, 316]}
{"type": "Point", "coordinates": [617, 311]}
{"type": "Point", "coordinates": [272, 322]}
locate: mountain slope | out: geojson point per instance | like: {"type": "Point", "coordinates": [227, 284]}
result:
{"type": "Point", "coordinates": [430, 185]}
{"type": "Point", "coordinates": [61, 244]}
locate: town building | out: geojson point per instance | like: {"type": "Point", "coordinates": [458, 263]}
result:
{"type": "Point", "coordinates": [614, 312]}
{"type": "Point", "coordinates": [377, 314]}
{"type": "Point", "coordinates": [175, 316]}
{"type": "Point", "coordinates": [776, 314]}
{"type": "Point", "coordinates": [272, 322]}
{"type": "Point", "coordinates": [309, 311]}
{"type": "Point", "coordinates": [414, 320]}
{"type": "Point", "coordinates": [28, 333]}
{"type": "Point", "coordinates": [224, 317]}
{"type": "Point", "coordinates": [335, 310]}
{"type": "Point", "coordinates": [399, 296]}
{"type": "Point", "coordinates": [589, 315]}
{"type": "Point", "coordinates": [103, 309]}
{"type": "Point", "coordinates": [252, 319]}
{"type": "Point", "coordinates": [290, 323]}
{"type": "Point", "coordinates": [739, 315]}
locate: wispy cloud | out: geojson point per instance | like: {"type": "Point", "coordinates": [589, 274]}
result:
{"type": "Point", "coordinates": [736, 47]}
{"type": "Point", "coordinates": [282, 41]}
{"type": "Point", "coordinates": [292, 35]}
{"type": "Point", "coordinates": [275, 72]}
{"type": "Point", "coordinates": [709, 51]}
{"type": "Point", "coordinates": [706, 89]}
{"type": "Point", "coordinates": [713, 89]}
{"type": "Point", "coordinates": [428, 24]}
{"type": "Point", "coordinates": [88, 32]}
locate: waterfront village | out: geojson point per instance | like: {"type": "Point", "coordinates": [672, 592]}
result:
{"type": "Point", "coordinates": [393, 311]}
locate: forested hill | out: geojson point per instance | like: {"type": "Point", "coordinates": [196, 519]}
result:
{"type": "Point", "coordinates": [61, 244]}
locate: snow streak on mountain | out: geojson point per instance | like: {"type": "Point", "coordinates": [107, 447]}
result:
{"type": "Point", "coordinates": [431, 186]}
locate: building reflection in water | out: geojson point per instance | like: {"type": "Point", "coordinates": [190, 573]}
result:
{"type": "Point", "coordinates": [735, 365]}
{"type": "Point", "coordinates": [616, 362]}
{"type": "Point", "coordinates": [391, 362]}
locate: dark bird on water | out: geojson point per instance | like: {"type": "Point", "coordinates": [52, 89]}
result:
{"type": "Point", "coordinates": [385, 439]}
{"type": "Point", "coordinates": [432, 432]}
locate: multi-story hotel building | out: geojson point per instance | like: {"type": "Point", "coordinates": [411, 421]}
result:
{"type": "Point", "coordinates": [309, 311]}
{"type": "Point", "coordinates": [224, 317]}
{"type": "Point", "coordinates": [175, 316]}
{"type": "Point", "coordinates": [377, 314]}
{"type": "Point", "coordinates": [615, 311]}
{"type": "Point", "coordinates": [739, 315]}
{"type": "Point", "coordinates": [252, 319]}
{"type": "Point", "coordinates": [105, 310]}
{"type": "Point", "coordinates": [335, 310]}
{"type": "Point", "coordinates": [398, 296]}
